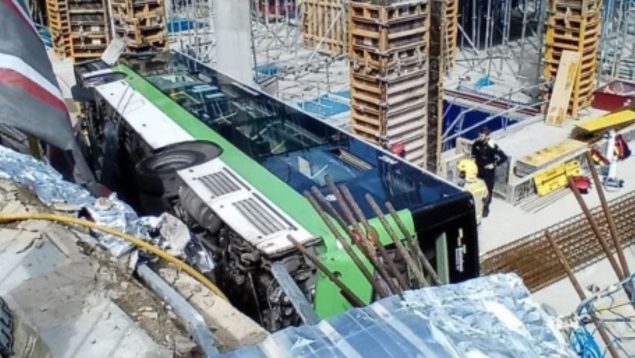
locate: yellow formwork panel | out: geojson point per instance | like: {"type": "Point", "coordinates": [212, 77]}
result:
{"type": "Point", "coordinates": [608, 121]}
{"type": "Point", "coordinates": [566, 77]}
{"type": "Point", "coordinates": [556, 178]}
{"type": "Point", "coordinates": [549, 154]}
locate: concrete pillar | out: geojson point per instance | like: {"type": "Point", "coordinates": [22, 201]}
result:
{"type": "Point", "coordinates": [233, 39]}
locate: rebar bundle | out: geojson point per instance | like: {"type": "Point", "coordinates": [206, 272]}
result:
{"type": "Point", "coordinates": [381, 266]}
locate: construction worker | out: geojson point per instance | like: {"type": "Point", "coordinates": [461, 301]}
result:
{"type": "Point", "coordinates": [488, 156]}
{"type": "Point", "coordinates": [468, 179]}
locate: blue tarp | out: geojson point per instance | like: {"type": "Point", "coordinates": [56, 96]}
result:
{"type": "Point", "coordinates": [45, 35]}
{"type": "Point", "coordinates": [267, 70]}
{"type": "Point", "coordinates": [325, 106]}
{"type": "Point", "coordinates": [177, 25]}
{"type": "Point", "coordinates": [491, 316]}
{"type": "Point", "coordinates": [452, 112]}
{"type": "Point", "coordinates": [332, 104]}
{"type": "Point", "coordinates": [482, 83]}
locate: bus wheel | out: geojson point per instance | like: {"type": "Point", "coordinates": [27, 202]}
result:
{"type": "Point", "coordinates": [156, 176]}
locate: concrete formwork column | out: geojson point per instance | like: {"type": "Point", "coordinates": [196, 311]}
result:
{"type": "Point", "coordinates": [232, 25]}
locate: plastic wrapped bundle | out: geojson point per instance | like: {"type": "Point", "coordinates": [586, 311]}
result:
{"type": "Point", "coordinates": [492, 316]}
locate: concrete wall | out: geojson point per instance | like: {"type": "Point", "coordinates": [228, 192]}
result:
{"type": "Point", "coordinates": [233, 39]}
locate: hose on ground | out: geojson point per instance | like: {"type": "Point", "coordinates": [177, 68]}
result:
{"type": "Point", "coordinates": [69, 220]}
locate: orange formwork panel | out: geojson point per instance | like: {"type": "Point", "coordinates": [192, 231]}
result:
{"type": "Point", "coordinates": [388, 54]}
{"type": "Point", "coordinates": [141, 24]}
{"type": "Point", "coordinates": [324, 26]}
{"type": "Point", "coordinates": [574, 26]}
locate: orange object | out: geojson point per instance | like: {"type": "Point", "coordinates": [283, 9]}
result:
{"type": "Point", "coordinates": [598, 158]}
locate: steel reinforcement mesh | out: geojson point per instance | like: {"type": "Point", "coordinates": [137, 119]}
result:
{"type": "Point", "coordinates": [533, 259]}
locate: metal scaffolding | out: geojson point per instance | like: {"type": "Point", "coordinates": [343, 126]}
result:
{"type": "Point", "coordinates": [617, 50]}
{"type": "Point", "coordinates": [299, 72]}
{"type": "Point", "coordinates": [500, 45]}
{"type": "Point", "coordinates": [191, 28]}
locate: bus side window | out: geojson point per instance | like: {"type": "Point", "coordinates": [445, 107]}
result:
{"type": "Point", "coordinates": [442, 260]}
{"type": "Point", "coordinates": [436, 251]}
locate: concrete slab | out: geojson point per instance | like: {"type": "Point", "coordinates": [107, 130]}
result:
{"type": "Point", "coordinates": [521, 140]}
{"type": "Point", "coordinates": [231, 327]}
{"type": "Point", "coordinates": [63, 69]}
{"type": "Point", "coordinates": [102, 330]}
{"type": "Point", "coordinates": [508, 223]}
{"type": "Point", "coordinates": [562, 297]}
{"type": "Point", "coordinates": [74, 304]}
{"type": "Point", "coordinates": [20, 260]}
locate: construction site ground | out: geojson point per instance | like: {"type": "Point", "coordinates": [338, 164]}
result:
{"type": "Point", "coordinates": [508, 223]}
{"type": "Point", "coordinates": [79, 301]}
{"type": "Point", "coordinates": [76, 299]}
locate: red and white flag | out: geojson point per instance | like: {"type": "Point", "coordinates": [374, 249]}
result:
{"type": "Point", "coordinates": [30, 98]}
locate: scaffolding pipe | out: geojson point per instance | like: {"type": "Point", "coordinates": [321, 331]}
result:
{"type": "Point", "coordinates": [484, 104]}
{"type": "Point", "coordinates": [541, 35]}
{"type": "Point", "coordinates": [488, 21]}
{"type": "Point", "coordinates": [487, 120]}
{"type": "Point", "coordinates": [523, 32]}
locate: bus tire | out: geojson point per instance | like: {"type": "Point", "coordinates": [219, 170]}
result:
{"type": "Point", "coordinates": [156, 174]}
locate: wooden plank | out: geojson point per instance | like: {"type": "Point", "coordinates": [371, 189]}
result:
{"type": "Point", "coordinates": [548, 155]}
{"type": "Point", "coordinates": [612, 120]}
{"type": "Point", "coordinates": [563, 87]}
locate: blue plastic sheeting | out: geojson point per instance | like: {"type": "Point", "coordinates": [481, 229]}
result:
{"type": "Point", "coordinates": [45, 35]}
{"type": "Point", "coordinates": [268, 70]}
{"type": "Point", "coordinates": [452, 112]}
{"type": "Point", "coordinates": [344, 94]}
{"type": "Point", "coordinates": [491, 316]}
{"type": "Point", "coordinates": [178, 25]}
{"type": "Point", "coordinates": [584, 344]}
{"type": "Point", "coordinates": [326, 106]}
{"type": "Point", "coordinates": [482, 83]}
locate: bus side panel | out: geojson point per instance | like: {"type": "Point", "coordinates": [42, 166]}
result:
{"type": "Point", "coordinates": [455, 222]}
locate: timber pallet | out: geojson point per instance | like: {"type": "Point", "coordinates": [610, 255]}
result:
{"type": "Point", "coordinates": [574, 25]}
{"type": "Point", "coordinates": [451, 33]}
{"type": "Point", "coordinates": [384, 38]}
{"type": "Point", "coordinates": [387, 14]}
{"type": "Point", "coordinates": [325, 26]}
{"type": "Point", "coordinates": [397, 60]}
{"type": "Point", "coordinates": [388, 53]}
{"type": "Point", "coordinates": [89, 34]}
{"type": "Point", "coordinates": [89, 27]}
{"type": "Point", "coordinates": [57, 13]}
{"type": "Point", "coordinates": [576, 7]}
{"type": "Point", "coordinates": [140, 23]}
{"type": "Point", "coordinates": [85, 46]}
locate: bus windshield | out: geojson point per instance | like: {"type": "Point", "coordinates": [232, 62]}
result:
{"type": "Point", "coordinates": [299, 149]}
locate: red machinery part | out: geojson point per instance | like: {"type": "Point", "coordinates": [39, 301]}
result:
{"type": "Point", "coordinates": [398, 149]}
{"type": "Point", "coordinates": [614, 95]}
{"type": "Point", "coordinates": [598, 157]}
{"type": "Point", "coordinates": [583, 183]}
{"type": "Point", "coordinates": [621, 147]}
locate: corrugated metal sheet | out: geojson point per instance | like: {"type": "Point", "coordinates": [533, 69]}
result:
{"type": "Point", "coordinates": [491, 316]}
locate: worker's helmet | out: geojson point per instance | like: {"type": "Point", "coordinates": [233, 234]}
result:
{"type": "Point", "coordinates": [467, 169]}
